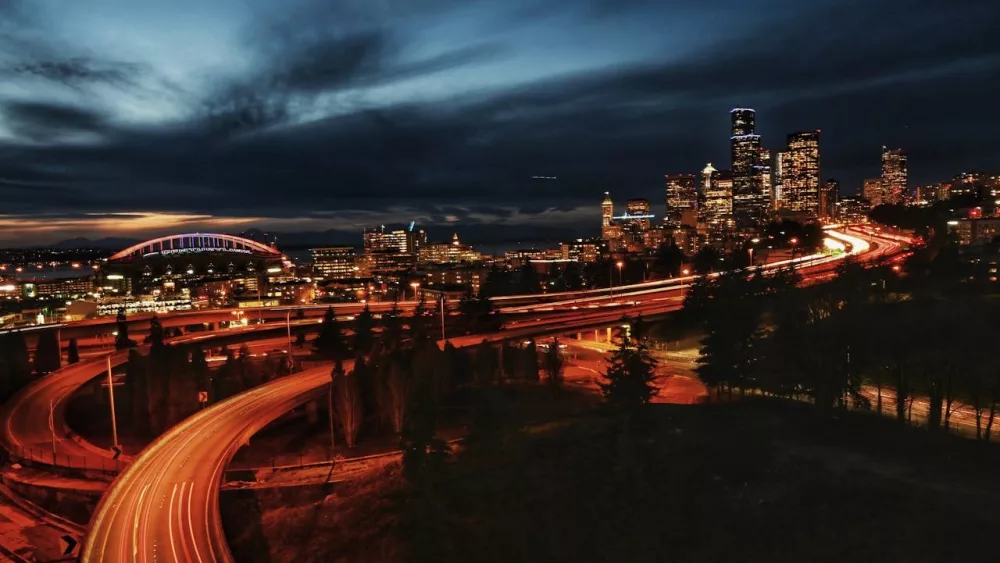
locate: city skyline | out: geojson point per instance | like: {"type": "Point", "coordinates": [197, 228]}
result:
{"type": "Point", "coordinates": [228, 123]}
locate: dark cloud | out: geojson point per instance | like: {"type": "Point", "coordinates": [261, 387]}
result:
{"type": "Point", "coordinates": [44, 121]}
{"type": "Point", "coordinates": [278, 140]}
{"type": "Point", "coordinates": [80, 71]}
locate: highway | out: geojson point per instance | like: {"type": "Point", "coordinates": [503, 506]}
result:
{"type": "Point", "coordinates": [164, 506]}
{"type": "Point", "coordinates": [28, 431]}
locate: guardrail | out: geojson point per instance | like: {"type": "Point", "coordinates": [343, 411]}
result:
{"type": "Point", "coordinates": [29, 456]}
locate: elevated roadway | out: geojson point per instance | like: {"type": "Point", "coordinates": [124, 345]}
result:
{"type": "Point", "coordinates": [164, 506]}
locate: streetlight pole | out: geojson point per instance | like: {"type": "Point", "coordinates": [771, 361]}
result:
{"type": "Point", "coordinates": [620, 264]}
{"type": "Point", "coordinates": [611, 280]}
{"type": "Point", "coordinates": [111, 400]}
{"type": "Point", "coordinates": [52, 428]}
{"type": "Point", "coordinates": [288, 328]}
{"type": "Point", "coordinates": [443, 339]}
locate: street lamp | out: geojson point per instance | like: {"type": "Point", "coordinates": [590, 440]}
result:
{"type": "Point", "coordinates": [620, 264]}
{"type": "Point", "coordinates": [686, 271]}
{"type": "Point", "coordinates": [414, 285]}
{"type": "Point", "coordinates": [750, 249]}
{"type": "Point", "coordinates": [793, 241]}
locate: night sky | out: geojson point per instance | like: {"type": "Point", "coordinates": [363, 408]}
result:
{"type": "Point", "coordinates": [132, 118]}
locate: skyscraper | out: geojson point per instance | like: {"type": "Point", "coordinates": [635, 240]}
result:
{"type": "Point", "coordinates": [800, 173]}
{"type": "Point", "coordinates": [607, 210]}
{"type": "Point", "coordinates": [828, 197]}
{"type": "Point", "coordinates": [749, 193]}
{"type": "Point", "coordinates": [893, 175]}
{"type": "Point", "coordinates": [638, 214]}
{"type": "Point", "coordinates": [777, 192]}
{"type": "Point", "coordinates": [715, 204]}
{"type": "Point", "coordinates": [872, 191]}
{"type": "Point", "coordinates": [682, 199]}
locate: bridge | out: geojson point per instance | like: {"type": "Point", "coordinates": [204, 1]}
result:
{"type": "Point", "coordinates": [194, 243]}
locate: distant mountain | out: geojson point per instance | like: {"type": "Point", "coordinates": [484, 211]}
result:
{"type": "Point", "coordinates": [108, 243]}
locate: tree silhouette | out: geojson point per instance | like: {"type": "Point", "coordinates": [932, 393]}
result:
{"type": "Point", "coordinates": [554, 364]}
{"type": "Point", "coordinates": [364, 325]}
{"type": "Point", "coordinates": [627, 384]}
{"type": "Point", "coordinates": [349, 408]}
{"type": "Point", "coordinates": [529, 358]}
{"type": "Point", "coordinates": [330, 342]}
{"type": "Point", "coordinates": [48, 356]}
{"type": "Point", "coordinates": [122, 340]}
{"type": "Point", "coordinates": [155, 338]}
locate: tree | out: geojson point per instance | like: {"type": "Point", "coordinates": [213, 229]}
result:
{"type": "Point", "coordinates": [347, 396]}
{"type": "Point", "coordinates": [669, 259]}
{"type": "Point", "coordinates": [706, 261]}
{"type": "Point", "coordinates": [553, 361]}
{"type": "Point", "coordinates": [122, 340]}
{"type": "Point", "coordinates": [418, 322]}
{"type": "Point", "coordinates": [363, 331]}
{"type": "Point", "coordinates": [330, 342]}
{"type": "Point", "coordinates": [200, 371]}
{"type": "Point", "coordinates": [74, 351]}
{"type": "Point", "coordinates": [628, 378]}
{"type": "Point", "coordinates": [300, 340]}
{"type": "Point", "coordinates": [48, 356]}
{"type": "Point", "coordinates": [156, 333]}
{"type": "Point", "coordinates": [15, 367]}
{"type": "Point", "coordinates": [422, 449]}
{"type": "Point", "coordinates": [392, 322]}
{"type": "Point", "coordinates": [486, 364]}
{"type": "Point", "coordinates": [394, 392]}
{"type": "Point", "coordinates": [530, 361]}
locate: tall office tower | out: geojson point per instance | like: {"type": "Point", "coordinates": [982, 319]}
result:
{"type": "Point", "coordinates": [682, 199]}
{"type": "Point", "coordinates": [778, 189]}
{"type": "Point", "coordinates": [872, 191]}
{"type": "Point", "coordinates": [763, 179]}
{"type": "Point", "coordinates": [607, 210]}
{"type": "Point", "coordinates": [893, 175]}
{"type": "Point", "coordinates": [378, 239]}
{"type": "Point", "coordinates": [749, 195]}
{"type": "Point", "coordinates": [715, 204]}
{"type": "Point", "coordinates": [638, 214]}
{"type": "Point", "coordinates": [800, 173]}
{"type": "Point", "coordinates": [828, 197]}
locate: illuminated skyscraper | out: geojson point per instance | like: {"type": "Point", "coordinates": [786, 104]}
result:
{"type": "Point", "coordinates": [638, 213]}
{"type": "Point", "coordinates": [776, 192]}
{"type": "Point", "coordinates": [715, 204]}
{"type": "Point", "coordinates": [872, 191]}
{"type": "Point", "coordinates": [800, 173]}
{"type": "Point", "coordinates": [607, 210]}
{"type": "Point", "coordinates": [682, 199]}
{"type": "Point", "coordinates": [893, 175]}
{"type": "Point", "coordinates": [749, 193]}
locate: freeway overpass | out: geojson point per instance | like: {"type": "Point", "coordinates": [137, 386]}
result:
{"type": "Point", "coordinates": [165, 505]}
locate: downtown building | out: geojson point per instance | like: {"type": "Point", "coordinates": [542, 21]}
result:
{"type": "Point", "coordinates": [682, 200]}
{"type": "Point", "coordinates": [800, 175]}
{"type": "Point", "coordinates": [715, 205]}
{"type": "Point", "coordinates": [894, 176]}
{"type": "Point", "coordinates": [872, 191]}
{"type": "Point", "coordinates": [751, 172]}
{"type": "Point", "coordinates": [828, 197]}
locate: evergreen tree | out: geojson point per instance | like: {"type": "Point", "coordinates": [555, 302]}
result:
{"type": "Point", "coordinates": [364, 325]}
{"type": "Point", "coordinates": [48, 357]}
{"type": "Point", "coordinates": [156, 335]}
{"type": "Point", "coordinates": [419, 321]}
{"type": "Point", "coordinates": [330, 342]}
{"type": "Point", "coordinates": [300, 341]}
{"type": "Point", "coordinates": [554, 364]}
{"type": "Point", "coordinates": [201, 372]}
{"type": "Point", "coordinates": [122, 340]}
{"type": "Point", "coordinates": [349, 407]}
{"type": "Point", "coordinates": [392, 322]}
{"type": "Point", "coordinates": [74, 351]}
{"type": "Point", "coordinates": [530, 360]}
{"type": "Point", "coordinates": [486, 364]}
{"type": "Point", "coordinates": [628, 379]}
{"type": "Point", "coordinates": [422, 449]}
{"type": "Point", "coordinates": [15, 368]}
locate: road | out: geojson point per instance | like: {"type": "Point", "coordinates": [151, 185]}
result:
{"type": "Point", "coordinates": [28, 433]}
{"type": "Point", "coordinates": [164, 506]}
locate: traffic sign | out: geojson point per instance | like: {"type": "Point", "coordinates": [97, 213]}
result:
{"type": "Point", "coordinates": [117, 450]}
{"type": "Point", "coordinates": [68, 544]}
{"type": "Point", "coordinates": [202, 396]}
